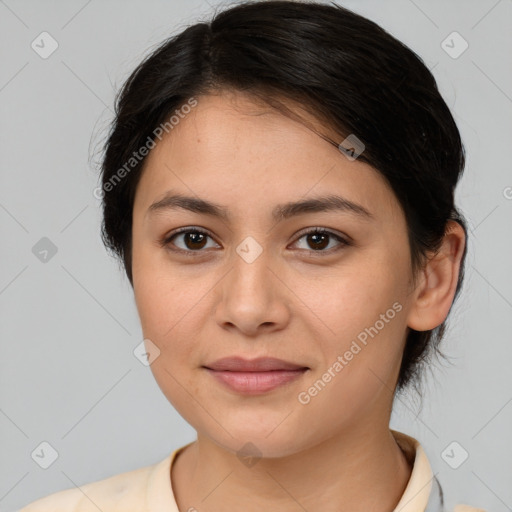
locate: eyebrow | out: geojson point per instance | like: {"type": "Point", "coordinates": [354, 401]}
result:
{"type": "Point", "coordinates": [173, 201]}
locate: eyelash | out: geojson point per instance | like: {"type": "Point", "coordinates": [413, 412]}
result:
{"type": "Point", "coordinates": [166, 241]}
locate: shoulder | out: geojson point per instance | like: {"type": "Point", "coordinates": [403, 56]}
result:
{"type": "Point", "coordinates": [467, 508]}
{"type": "Point", "coordinates": [123, 491]}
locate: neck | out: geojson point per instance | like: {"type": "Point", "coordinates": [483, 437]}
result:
{"type": "Point", "coordinates": [335, 475]}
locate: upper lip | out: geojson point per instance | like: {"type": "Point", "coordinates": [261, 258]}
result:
{"type": "Point", "coordinates": [260, 364]}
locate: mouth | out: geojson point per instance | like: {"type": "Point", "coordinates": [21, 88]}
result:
{"type": "Point", "coordinates": [254, 376]}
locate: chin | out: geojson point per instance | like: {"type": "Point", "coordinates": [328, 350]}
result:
{"type": "Point", "coordinates": [270, 443]}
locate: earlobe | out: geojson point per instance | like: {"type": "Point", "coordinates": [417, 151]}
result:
{"type": "Point", "coordinates": [435, 291]}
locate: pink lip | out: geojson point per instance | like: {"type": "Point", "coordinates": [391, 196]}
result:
{"type": "Point", "coordinates": [260, 364]}
{"type": "Point", "coordinates": [254, 376]}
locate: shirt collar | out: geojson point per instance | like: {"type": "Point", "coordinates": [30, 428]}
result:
{"type": "Point", "coordinates": [423, 492]}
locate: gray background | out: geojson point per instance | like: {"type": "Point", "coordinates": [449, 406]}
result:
{"type": "Point", "coordinates": [69, 325]}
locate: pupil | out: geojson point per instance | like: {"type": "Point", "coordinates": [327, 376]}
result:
{"type": "Point", "coordinates": [316, 236]}
{"type": "Point", "coordinates": [193, 237]}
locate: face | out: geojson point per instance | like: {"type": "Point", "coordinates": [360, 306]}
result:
{"type": "Point", "coordinates": [326, 289]}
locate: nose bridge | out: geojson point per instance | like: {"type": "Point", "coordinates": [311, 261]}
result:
{"type": "Point", "coordinates": [251, 261]}
{"type": "Point", "coordinates": [250, 295]}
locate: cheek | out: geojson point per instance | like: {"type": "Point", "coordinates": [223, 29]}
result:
{"type": "Point", "coordinates": [359, 367]}
{"type": "Point", "coordinates": [352, 298]}
{"type": "Point", "coordinates": [362, 320]}
{"type": "Point", "coordinates": [159, 294]}
{"type": "Point", "coordinates": [172, 307]}
{"type": "Point", "coordinates": [167, 313]}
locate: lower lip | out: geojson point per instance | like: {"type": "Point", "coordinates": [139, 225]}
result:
{"type": "Point", "coordinates": [252, 383]}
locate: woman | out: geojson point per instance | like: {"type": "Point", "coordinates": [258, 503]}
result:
{"type": "Point", "coordinates": [279, 185]}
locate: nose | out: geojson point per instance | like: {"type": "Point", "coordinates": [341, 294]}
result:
{"type": "Point", "coordinates": [253, 298]}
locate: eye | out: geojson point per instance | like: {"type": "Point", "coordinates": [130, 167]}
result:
{"type": "Point", "coordinates": [192, 240]}
{"type": "Point", "coordinates": [319, 239]}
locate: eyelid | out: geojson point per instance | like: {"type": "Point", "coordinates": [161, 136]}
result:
{"type": "Point", "coordinates": [327, 231]}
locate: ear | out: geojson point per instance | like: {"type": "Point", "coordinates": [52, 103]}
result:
{"type": "Point", "coordinates": [434, 293]}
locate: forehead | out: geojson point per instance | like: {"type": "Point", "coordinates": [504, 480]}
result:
{"type": "Point", "coordinates": [237, 151]}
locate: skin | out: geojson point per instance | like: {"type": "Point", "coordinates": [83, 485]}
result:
{"type": "Point", "coordinates": [293, 302]}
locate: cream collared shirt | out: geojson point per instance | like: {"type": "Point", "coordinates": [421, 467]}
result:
{"type": "Point", "coordinates": [148, 489]}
